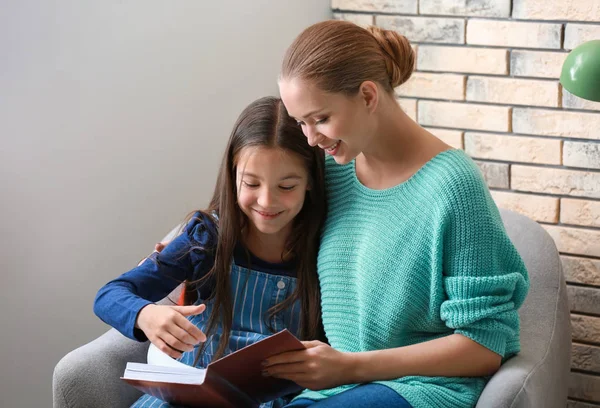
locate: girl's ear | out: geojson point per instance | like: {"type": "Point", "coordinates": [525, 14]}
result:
{"type": "Point", "coordinates": [309, 184]}
{"type": "Point", "coordinates": [369, 94]}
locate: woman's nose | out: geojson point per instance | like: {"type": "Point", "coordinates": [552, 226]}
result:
{"type": "Point", "coordinates": [312, 135]}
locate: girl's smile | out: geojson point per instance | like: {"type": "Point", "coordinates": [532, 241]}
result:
{"type": "Point", "coordinates": [272, 186]}
{"type": "Point", "coordinates": [269, 215]}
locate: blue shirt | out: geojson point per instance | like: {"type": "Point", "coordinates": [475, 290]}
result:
{"type": "Point", "coordinates": [256, 284]}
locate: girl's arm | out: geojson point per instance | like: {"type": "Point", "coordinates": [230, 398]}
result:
{"type": "Point", "coordinates": [120, 301]}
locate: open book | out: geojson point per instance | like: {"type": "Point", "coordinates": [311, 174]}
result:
{"type": "Point", "coordinates": [234, 381]}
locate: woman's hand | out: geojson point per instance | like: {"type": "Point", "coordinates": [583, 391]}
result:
{"type": "Point", "coordinates": [157, 248]}
{"type": "Point", "coordinates": [318, 367]}
{"type": "Point", "coordinates": [168, 328]}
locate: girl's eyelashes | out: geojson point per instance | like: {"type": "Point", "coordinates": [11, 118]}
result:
{"type": "Point", "coordinates": [256, 185]}
{"type": "Point", "coordinates": [249, 185]}
{"type": "Point", "coordinates": [300, 123]}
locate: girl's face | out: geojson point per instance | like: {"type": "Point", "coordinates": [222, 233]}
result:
{"type": "Point", "coordinates": [272, 184]}
{"type": "Point", "coordinates": [338, 124]}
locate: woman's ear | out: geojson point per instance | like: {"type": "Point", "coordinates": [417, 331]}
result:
{"type": "Point", "coordinates": [369, 93]}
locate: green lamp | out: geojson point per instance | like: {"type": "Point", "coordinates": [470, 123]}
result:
{"type": "Point", "coordinates": [581, 71]}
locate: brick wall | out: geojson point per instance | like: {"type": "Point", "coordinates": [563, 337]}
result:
{"type": "Point", "coordinates": [486, 81]}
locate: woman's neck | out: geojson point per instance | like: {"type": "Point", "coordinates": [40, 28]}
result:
{"type": "Point", "coordinates": [397, 150]}
{"type": "Point", "coordinates": [268, 247]}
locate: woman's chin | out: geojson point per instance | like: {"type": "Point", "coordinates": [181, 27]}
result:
{"type": "Point", "coordinates": [342, 159]}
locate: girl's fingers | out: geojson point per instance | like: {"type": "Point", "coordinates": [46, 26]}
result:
{"type": "Point", "coordinates": [196, 335]}
{"type": "Point", "coordinates": [164, 347]}
{"type": "Point", "coordinates": [183, 336]}
{"type": "Point", "coordinates": [177, 346]}
{"type": "Point", "coordinates": [191, 310]}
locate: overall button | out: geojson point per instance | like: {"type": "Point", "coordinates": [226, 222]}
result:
{"type": "Point", "coordinates": [281, 284]}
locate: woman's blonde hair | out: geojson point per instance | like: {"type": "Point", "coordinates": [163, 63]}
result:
{"type": "Point", "coordinates": [338, 56]}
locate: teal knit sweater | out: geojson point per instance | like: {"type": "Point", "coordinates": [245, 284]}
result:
{"type": "Point", "coordinates": [415, 262]}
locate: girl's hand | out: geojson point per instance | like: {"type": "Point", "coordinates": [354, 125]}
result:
{"type": "Point", "coordinates": [169, 330]}
{"type": "Point", "coordinates": [318, 367]}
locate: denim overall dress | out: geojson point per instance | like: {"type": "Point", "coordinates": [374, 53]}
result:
{"type": "Point", "coordinates": [253, 294]}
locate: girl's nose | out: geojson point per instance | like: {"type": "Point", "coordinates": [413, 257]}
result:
{"type": "Point", "coordinates": [265, 199]}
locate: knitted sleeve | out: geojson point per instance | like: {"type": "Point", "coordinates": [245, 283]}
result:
{"type": "Point", "coordinates": [485, 279]}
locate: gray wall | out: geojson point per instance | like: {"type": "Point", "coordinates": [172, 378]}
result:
{"type": "Point", "coordinates": [113, 118]}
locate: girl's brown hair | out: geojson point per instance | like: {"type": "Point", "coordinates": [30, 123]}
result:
{"type": "Point", "coordinates": [338, 56]}
{"type": "Point", "coordinates": [265, 123]}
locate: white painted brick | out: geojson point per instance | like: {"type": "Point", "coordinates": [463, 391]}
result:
{"type": "Point", "coordinates": [425, 29]}
{"type": "Point", "coordinates": [581, 154]}
{"type": "Point", "coordinates": [578, 10]}
{"type": "Point", "coordinates": [481, 8]}
{"type": "Point", "coordinates": [574, 183]}
{"type": "Point", "coordinates": [453, 138]}
{"type": "Point", "coordinates": [575, 240]}
{"type": "Point", "coordinates": [409, 106]}
{"type": "Point", "coordinates": [580, 212]}
{"type": "Point", "coordinates": [436, 86]}
{"type": "Point", "coordinates": [513, 148]}
{"type": "Point", "coordinates": [362, 20]}
{"type": "Point", "coordinates": [582, 125]}
{"type": "Point", "coordinates": [464, 116]}
{"type": "Point", "coordinates": [581, 270]}
{"type": "Point", "coordinates": [513, 34]}
{"type": "Point", "coordinates": [384, 6]}
{"type": "Point", "coordinates": [542, 209]}
{"type": "Point", "coordinates": [543, 64]}
{"type": "Point", "coordinates": [462, 59]}
{"type": "Point", "coordinates": [574, 102]}
{"type": "Point", "coordinates": [513, 91]}
{"type": "Point", "coordinates": [576, 34]}
{"type": "Point", "coordinates": [495, 174]}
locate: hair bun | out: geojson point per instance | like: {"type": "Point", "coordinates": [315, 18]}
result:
{"type": "Point", "coordinates": [399, 55]}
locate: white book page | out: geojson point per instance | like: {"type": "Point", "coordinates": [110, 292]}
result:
{"type": "Point", "coordinates": [179, 375]}
{"type": "Point", "coordinates": [158, 358]}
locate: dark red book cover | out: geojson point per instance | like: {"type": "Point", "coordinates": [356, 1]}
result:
{"type": "Point", "coordinates": [233, 381]}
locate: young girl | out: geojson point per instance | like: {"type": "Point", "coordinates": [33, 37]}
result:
{"type": "Point", "coordinates": [420, 284]}
{"type": "Point", "coordinates": [249, 259]}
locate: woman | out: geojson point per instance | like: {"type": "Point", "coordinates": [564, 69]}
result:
{"type": "Point", "coordinates": [420, 284]}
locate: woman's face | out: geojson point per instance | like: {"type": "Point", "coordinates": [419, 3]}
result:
{"type": "Point", "coordinates": [338, 124]}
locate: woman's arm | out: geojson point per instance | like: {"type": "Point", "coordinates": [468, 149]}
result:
{"type": "Point", "coordinates": [320, 366]}
{"type": "Point", "coordinates": [451, 356]}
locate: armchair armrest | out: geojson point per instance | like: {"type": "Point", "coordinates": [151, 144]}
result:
{"type": "Point", "coordinates": [89, 376]}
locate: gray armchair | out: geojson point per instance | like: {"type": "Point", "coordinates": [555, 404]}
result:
{"type": "Point", "coordinates": [88, 377]}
